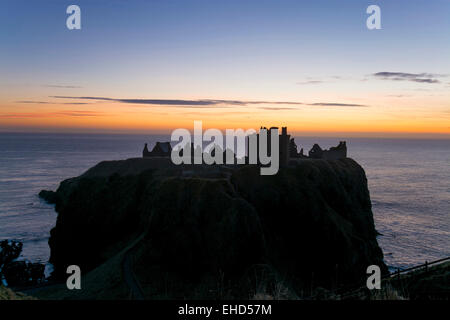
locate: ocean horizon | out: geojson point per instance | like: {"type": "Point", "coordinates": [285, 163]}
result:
{"type": "Point", "coordinates": [409, 184]}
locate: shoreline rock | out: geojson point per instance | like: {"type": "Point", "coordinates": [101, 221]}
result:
{"type": "Point", "coordinates": [48, 196]}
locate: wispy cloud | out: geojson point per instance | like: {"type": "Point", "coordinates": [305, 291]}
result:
{"type": "Point", "coordinates": [69, 113]}
{"type": "Point", "coordinates": [213, 103]}
{"type": "Point", "coordinates": [47, 102]}
{"type": "Point", "coordinates": [61, 86]}
{"type": "Point", "coordinates": [310, 82]}
{"type": "Point", "coordinates": [414, 77]}
{"type": "Point", "coordinates": [220, 103]}
{"type": "Point", "coordinates": [324, 80]}
{"type": "Point", "coordinates": [75, 113]}
{"type": "Point", "coordinates": [34, 102]}
{"type": "Point", "coordinates": [336, 104]}
{"type": "Point", "coordinates": [277, 108]}
{"type": "Point", "coordinates": [399, 95]}
{"type": "Point", "coordinates": [19, 115]}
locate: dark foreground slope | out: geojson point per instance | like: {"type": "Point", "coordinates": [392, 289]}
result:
{"type": "Point", "coordinates": [219, 232]}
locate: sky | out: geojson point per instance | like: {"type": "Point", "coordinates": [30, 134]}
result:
{"type": "Point", "coordinates": [154, 66]}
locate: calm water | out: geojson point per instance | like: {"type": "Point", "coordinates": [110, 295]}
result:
{"type": "Point", "coordinates": [409, 182]}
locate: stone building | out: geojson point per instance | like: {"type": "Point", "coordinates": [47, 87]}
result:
{"type": "Point", "coordinates": [284, 144]}
{"type": "Point", "coordinates": [161, 149]}
{"type": "Point", "coordinates": [334, 153]}
{"type": "Point", "coordinates": [287, 149]}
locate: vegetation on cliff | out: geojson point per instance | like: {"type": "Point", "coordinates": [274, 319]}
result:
{"type": "Point", "coordinates": [8, 294]}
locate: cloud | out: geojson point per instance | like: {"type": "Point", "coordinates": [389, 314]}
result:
{"type": "Point", "coordinates": [336, 104]}
{"type": "Point", "coordinates": [311, 82]}
{"type": "Point", "coordinates": [47, 102]}
{"type": "Point", "coordinates": [69, 113]}
{"type": "Point", "coordinates": [61, 86]}
{"type": "Point", "coordinates": [19, 115]}
{"type": "Point", "coordinates": [76, 113]}
{"type": "Point", "coordinates": [326, 79]}
{"type": "Point", "coordinates": [213, 103]}
{"type": "Point", "coordinates": [399, 95]}
{"type": "Point", "coordinates": [203, 103]}
{"type": "Point", "coordinates": [414, 77]}
{"type": "Point", "coordinates": [276, 108]}
{"type": "Point", "coordinates": [34, 102]}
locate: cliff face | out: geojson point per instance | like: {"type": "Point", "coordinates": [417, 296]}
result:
{"type": "Point", "coordinates": [317, 219]}
{"type": "Point", "coordinates": [311, 223]}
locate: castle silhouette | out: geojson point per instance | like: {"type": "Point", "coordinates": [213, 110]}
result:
{"type": "Point", "coordinates": [287, 149]}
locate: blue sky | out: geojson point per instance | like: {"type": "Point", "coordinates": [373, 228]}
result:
{"type": "Point", "coordinates": [315, 38]}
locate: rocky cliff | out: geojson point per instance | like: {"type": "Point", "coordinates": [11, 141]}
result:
{"type": "Point", "coordinates": [310, 225]}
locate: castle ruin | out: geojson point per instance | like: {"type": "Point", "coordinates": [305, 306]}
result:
{"type": "Point", "coordinates": [288, 149]}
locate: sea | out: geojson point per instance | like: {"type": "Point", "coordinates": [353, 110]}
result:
{"type": "Point", "coordinates": [409, 183]}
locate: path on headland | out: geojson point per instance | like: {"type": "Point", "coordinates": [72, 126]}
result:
{"type": "Point", "coordinates": [128, 274]}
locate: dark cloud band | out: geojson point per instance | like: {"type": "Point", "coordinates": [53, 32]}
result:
{"type": "Point", "coordinates": [207, 103]}
{"type": "Point", "coordinates": [403, 76]}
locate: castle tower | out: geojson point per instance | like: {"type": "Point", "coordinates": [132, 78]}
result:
{"type": "Point", "coordinates": [283, 142]}
{"type": "Point", "coordinates": [145, 152]}
{"type": "Point", "coordinates": [284, 147]}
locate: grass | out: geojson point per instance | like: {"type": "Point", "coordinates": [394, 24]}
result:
{"type": "Point", "coordinates": [8, 294]}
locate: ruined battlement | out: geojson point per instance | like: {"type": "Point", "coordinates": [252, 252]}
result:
{"type": "Point", "coordinates": [287, 148]}
{"type": "Point", "coordinates": [334, 153]}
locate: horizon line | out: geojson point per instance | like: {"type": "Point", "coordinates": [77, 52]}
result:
{"type": "Point", "coordinates": [319, 134]}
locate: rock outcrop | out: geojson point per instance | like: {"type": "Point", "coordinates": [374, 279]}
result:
{"type": "Point", "coordinates": [311, 223]}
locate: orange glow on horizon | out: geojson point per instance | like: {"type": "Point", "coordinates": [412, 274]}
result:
{"type": "Point", "coordinates": [118, 117]}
